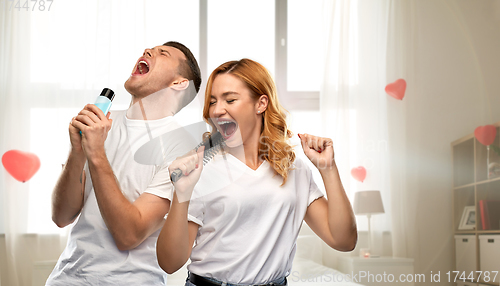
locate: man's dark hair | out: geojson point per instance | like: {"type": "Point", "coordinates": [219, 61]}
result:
{"type": "Point", "coordinates": [187, 68]}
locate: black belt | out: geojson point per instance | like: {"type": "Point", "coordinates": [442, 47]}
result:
{"type": "Point", "coordinates": [202, 281]}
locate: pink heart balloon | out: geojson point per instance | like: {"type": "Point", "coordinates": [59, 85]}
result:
{"type": "Point", "coordinates": [21, 165]}
{"type": "Point", "coordinates": [486, 134]}
{"type": "Point", "coordinates": [396, 89]}
{"type": "Point", "coordinates": [359, 173]}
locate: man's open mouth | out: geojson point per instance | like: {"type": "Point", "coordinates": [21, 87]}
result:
{"type": "Point", "coordinates": [142, 67]}
{"type": "Point", "coordinates": [227, 127]}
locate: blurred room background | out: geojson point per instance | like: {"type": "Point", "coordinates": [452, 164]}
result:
{"type": "Point", "coordinates": [331, 61]}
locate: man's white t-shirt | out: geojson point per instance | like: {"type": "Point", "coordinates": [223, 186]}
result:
{"type": "Point", "coordinates": [91, 256]}
{"type": "Point", "coordinates": [248, 223]}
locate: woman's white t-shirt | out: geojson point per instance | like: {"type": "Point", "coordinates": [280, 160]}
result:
{"type": "Point", "coordinates": [249, 223]}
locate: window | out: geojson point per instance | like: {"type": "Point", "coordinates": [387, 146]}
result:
{"type": "Point", "coordinates": [304, 45]}
{"type": "Point", "coordinates": [52, 153]}
{"type": "Point", "coordinates": [240, 29]}
{"type": "Point", "coordinates": [96, 50]}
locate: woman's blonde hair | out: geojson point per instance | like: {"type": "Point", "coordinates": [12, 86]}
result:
{"type": "Point", "coordinates": [273, 142]}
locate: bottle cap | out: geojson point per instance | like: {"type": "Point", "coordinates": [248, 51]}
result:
{"type": "Point", "coordinates": [106, 92]}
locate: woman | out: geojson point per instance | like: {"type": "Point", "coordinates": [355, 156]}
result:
{"type": "Point", "coordinates": [249, 202]}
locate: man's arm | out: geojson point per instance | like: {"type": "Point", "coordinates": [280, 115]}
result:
{"type": "Point", "coordinates": [67, 197]}
{"type": "Point", "coordinates": [129, 223]}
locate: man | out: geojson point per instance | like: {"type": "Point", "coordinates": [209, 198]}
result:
{"type": "Point", "coordinates": [120, 203]}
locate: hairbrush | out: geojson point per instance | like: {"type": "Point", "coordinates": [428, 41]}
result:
{"type": "Point", "coordinates": [213, 144]}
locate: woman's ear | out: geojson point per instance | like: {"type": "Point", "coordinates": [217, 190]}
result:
{"type": "Point", "coordinates": [262, 103]}
{"type": "Point", "coordinates": [180, 84]}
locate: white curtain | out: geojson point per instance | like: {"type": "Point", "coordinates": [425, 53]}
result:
{"type": "Point", "coordinates": [16, 94]}
{"type": "Point", "coordinates": [365, 49]}
{"type": "Point", "coordinates": [52, 64]}
{"type": "Point", "coordinates": [401, 29]}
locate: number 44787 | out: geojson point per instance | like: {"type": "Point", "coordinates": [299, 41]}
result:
{"type": "Point", "coordinates": [42, 5]}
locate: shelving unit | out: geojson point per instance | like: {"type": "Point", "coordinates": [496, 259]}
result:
{"type": "Point", "coordinates": [472, 186]}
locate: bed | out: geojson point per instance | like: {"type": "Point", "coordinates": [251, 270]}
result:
{"type": "Point", "coordinates": [307, 269]}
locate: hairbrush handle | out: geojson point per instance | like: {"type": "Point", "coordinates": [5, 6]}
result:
{"type": "Point", "coordinates": [212, 145]}
{"type": "Point", "coordinates": [176, 175]}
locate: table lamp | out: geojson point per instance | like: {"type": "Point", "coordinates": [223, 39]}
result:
{"type": "Point", "coordinates": [368, 203]}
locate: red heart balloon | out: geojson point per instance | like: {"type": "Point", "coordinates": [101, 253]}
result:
{"type": "Point", "coordinates": [359, 173]}
{"type": "Point", "coordinates": [396, 89]}
{"type": "Point", "coordinates": [486, 134]}
{"type": "Point", "coordinates": [21, 165]}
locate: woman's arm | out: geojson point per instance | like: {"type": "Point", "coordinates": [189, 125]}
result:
{"type": "Point", "coordinates": [338, 230]}
{"type": "Point", "coordinates": [177, 236]}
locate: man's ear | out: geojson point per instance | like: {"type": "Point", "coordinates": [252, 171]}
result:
{"type": "Point", "coordinates": [180, 84]}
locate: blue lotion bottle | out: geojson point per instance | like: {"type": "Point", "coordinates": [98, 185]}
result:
{"type": "Point", "coordinates": [104, 101]}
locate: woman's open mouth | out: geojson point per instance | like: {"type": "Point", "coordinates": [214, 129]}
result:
{"type": "Point", "coordinates": [141, 68]}
{"type": "Point", "coordinates": [227, 127]}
